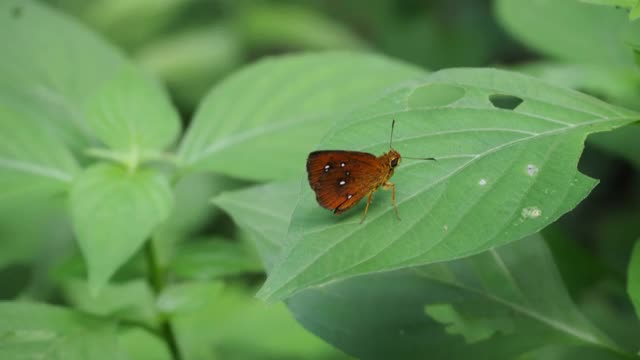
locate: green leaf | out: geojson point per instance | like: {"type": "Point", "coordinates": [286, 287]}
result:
{"type": "Point", "coordinates": [132, 300]}
{"type": "Point", "coordinates": [615, 3]}
{"type": "Point", "coordinates": [33, 163]}
{"type": "Point", "coordinates": [246, 328]}
{"type": "Point", "coordinates": [565, 29]}
{"type": "Point", "coordinates": [188, 297]}
{"type": "Point", "coordinates": [38, 331]}
{"type": "Point", "coordinates": [613, 84]}
{"type": "Point", "coordinates": [52, 88]}
{"type": "Point", "coordinates": [616, 85]}
{"type": "Point", "coordinates": [33, 232]}
{"type": "Point", "coordinates": [510, 299]}
{"type": "Point", "coordinates": [116, 19]}
{"type": "Point", "coordinates": [191, 60]}
{"type": "Point", "coordinates": [282, 25]}
{"type": "Point", "coordinates": [213, 258]}
{"type": "Point", "coordinates": [261, 122]}
{"type": "Point", "coordinates": [635, 11]}
{"type": "Point", "coordinates": [501, 175]}
{"type": "Point", "coordinates": [140, 344]}
{"type": "Point", "coordinates": [113, 213]}
{"type": "Point", "coordinates": [633, 285]}
{"type": "Point", "coordinates": [497, 305]}
{"type": "Point", "coordinates": [632, 5]}
{"type": "Point", "coordinates": [133, 114]}
{"type": "Point", "coordinates": [254, 209]}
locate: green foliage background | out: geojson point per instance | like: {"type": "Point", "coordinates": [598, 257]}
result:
{"type": "Point", "coordinates": [152, 179]}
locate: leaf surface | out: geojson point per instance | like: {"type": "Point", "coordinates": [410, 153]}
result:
{"type": "Point", "coordinates": [501, 175]}
{"type": "Point", "coordinates": [52, 88]}
{"type": "Point", "coordinates": [260, 123]}
{"type": "Point", "coordinates": [38, 331]}
{"type": "Point", "coordinates": [565, 29]}
{"type": "Point", "coordinates": [114, 212]}
{"type": "Point", "coordinates": [132, 113]}
{"type": "Point", "coordinates": [497, 304]}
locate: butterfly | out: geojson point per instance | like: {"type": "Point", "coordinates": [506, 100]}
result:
{"type": "Point", "coordinates": [341, 178]}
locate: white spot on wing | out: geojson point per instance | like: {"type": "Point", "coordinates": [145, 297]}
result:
{"type": "Point", "coordinates": [342, 164]}
{"type": "Point", "coordinates": [327, 167]}
{"type": "Point", "coordinates": [342, 182]}
{"type": "Point", "coordinates": [349, 196]}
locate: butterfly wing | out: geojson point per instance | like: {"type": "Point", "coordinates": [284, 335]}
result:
{"type": "Point", "coordinates": [341, 178]}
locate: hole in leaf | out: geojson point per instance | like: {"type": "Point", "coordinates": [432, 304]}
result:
{"type": "Point", "coordinates": [507, 102]}
{"type": "Point", "coordinates": [435, 95]}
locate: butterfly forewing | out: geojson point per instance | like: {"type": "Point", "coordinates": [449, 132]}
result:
{"type": "Point", "coordinates": [341, 178]}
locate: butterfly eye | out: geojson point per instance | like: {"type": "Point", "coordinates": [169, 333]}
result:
{"type": "Point", "coordinates": [394, 162]}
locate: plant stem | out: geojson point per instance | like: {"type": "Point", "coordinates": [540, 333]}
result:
{"type": "Point", "coordinates": [157, 279]}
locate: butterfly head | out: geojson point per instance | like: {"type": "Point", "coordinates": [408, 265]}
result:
{"type": "Point", "coordinates": [394, 158]}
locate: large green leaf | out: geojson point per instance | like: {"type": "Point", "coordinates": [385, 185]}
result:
{"type": "Point", "coordinates": [52, 87]}
{"type": "Point", "coordinates": [497, 304]}
{"type": "Point", "coordinates": [132, 113]}
{"type": "Point", "coordinates": [501, 175]}
{"type": "Point", "coordinates": [262, 121]}
{"type": "Point", "coordinates": [571, 30]}
{"type": "Point", "coordinates": [38, 331]}
{"type": "Point", "coordinates": [32, 161]}
{"type": "Point", "coordinates": [113, 213]}
{"type": "Point", "coordinates": [633, 286]}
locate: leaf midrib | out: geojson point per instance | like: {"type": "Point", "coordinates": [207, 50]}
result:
{"type": "Point", "coordinates": [36, 169]}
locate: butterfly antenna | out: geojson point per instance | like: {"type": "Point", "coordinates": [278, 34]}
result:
{"type": "Point", "coordinates": [393, 123]}
{"type": "Point", "coordinates": [415, 158]}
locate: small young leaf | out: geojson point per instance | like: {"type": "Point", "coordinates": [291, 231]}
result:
{"type": "Point", "coordinates": [113, 213]}
{"type": "Point", "coordinates": [261, 122]}
{"type": "Point", "coordinates": [633, 286]}
{"type": "Point", "coordinates": [501, 175]}
{"type": "Point", "coordinates": [132, 113]}
{"type": "Point", "coordinates": [38, 331]}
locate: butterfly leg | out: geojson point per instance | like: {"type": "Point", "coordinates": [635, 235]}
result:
{"type": "Point", "coordinates": [392, 186]}
{"type": "Point", "coordinates": [366, 208]}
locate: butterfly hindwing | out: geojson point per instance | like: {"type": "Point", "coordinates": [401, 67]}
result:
{"type": "Point", "coordinates": [340, 178]}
